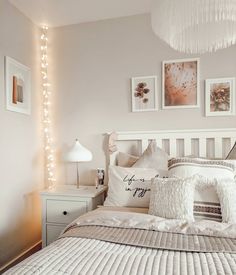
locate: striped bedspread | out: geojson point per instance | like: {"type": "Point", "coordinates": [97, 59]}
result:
{"type": "Point", "coordinates": [154, 239]}
{"type": "Point", "coordinates": [128, 243]}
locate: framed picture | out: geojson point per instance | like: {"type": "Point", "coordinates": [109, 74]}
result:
{"type": "Point", "coordinates": [144, 94]}
{"type": "Point", "coordinates": [220, 97]}
{"type": "Point", "coordinates": [180, 84]}
{"type": "Point", "coordinates": [18, 86]}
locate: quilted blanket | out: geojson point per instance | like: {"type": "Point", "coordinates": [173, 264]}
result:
{"type": "Point", "coordinates": [116, 243]}
{"type": "Point", "coordinates": [154, 239]}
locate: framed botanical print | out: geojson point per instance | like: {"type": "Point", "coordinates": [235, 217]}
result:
{"type": "Point", "coordinates": [144, 94]}
{"type": "Point", "coordinates": [18, 86]}
{"type": "Point", "coordinates": [180, 84]}
{"type": "Point", "coordinates": [220, 97]}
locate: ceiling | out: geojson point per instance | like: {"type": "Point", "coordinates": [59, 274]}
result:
{"type": "Point", "coordinates": [56, 13]}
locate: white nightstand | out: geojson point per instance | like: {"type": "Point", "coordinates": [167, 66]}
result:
{"type": "Point", "coordinates": [62, 204]}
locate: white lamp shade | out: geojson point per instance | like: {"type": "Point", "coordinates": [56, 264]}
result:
{"type": "Point", "coordinates": [78, 153]}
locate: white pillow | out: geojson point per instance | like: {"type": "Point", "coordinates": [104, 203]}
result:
{"type": "Point", "coordinates": [206, 201]}
{"type": "Point", "coordinates": [226, 190]}
{"type": "Point", "coordinates": [172, 198]}
{"type": "Point", "coordinates": [153, 157]}
{"type": "Point", "coordinates": [130, 187]}
{"type": "Point", "coordinates": [186, 167]}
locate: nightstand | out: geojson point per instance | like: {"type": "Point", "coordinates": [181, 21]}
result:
{"type": "Point", "coordinates": [63, 204]}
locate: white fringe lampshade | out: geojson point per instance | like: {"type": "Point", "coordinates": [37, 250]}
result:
{"type": "Point", "coordinates": [195, 26]}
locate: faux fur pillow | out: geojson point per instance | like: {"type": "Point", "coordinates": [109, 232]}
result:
{"type": "Point", "coordinates": [226, 190]}
{"type": "Point", "coordinates": [129, 187]}
{"type": "Point", "coordinates": [172, 198]}
{"type": "Point", "coordinates": [153, 157]}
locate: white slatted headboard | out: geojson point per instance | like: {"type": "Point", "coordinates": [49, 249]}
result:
{"type": "Point", "coordinates": [214, 143]}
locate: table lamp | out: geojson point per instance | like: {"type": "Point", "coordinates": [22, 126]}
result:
{"type": "Point", "coordinates": [78, 153]}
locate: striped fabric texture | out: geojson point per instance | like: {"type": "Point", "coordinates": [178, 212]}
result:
{"type": "Point", "coordinates": [207, 210]}
{"type": "Point", "coordinates": [74, 256]}
{"type": "Point", "coordinates": [154, 239]}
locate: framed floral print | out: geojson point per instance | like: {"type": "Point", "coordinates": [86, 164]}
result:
{"type": "Point", "coordinates": [144, 94]}
{"type": "Point", "coordinates": [180, 84]}
{"type": "Point", "coordinates": [220, 97]}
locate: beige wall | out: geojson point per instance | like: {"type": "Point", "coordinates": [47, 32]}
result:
{"type": "Point", "coordinates": [20, 148]}
{"type": "Point", "coordinates": [92, 66]}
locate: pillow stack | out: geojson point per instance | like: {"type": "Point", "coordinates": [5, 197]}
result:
{"type": "Point", "coordinates": [206, 201]}
{"type": "Point", "coordinates": [195, 188]}
{"type": "Point", "coordinates": [131, 186]}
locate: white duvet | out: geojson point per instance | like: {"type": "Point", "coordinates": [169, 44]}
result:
{"type": "Point", "coordinates": [124, 219]}
{"type": "Point", "coordinates": [79, 256]}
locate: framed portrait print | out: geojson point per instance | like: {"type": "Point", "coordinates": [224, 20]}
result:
{"type": "Point", "coordinates": [180, 84]}
{"type": "Point", "coordinates": [220, 97]}
{"type": "Point", "coordinates": [144, 94]}
{"type": "Point", "coordinates": [18, 86]}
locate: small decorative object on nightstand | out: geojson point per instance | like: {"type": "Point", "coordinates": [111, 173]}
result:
{"type": "Point", "coordinates": [62, 204]}
{"type": "Point", "coordinates": [78, 153]}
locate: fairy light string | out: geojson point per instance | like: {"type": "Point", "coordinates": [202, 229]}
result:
{"type": "Point", "coordinates": [47, 120]}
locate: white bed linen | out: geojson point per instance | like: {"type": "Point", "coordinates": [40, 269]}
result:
{"type": "Point", "coordinates": [133, 219]}
{"type": "Point", "coordinates": [89, 256]}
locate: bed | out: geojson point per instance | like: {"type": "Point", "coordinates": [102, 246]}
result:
{"type": "Point", "coordinates": [124, 240]}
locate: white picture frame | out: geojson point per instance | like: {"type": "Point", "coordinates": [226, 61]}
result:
{"type": "Point", "coordinates": [144, 93]}
{"type": "Point", "coordinates": [18, 86]}
{"type": "Point", "coordinates": [183, 76]}
{"type": "Point", "coordinates": [220, 96]}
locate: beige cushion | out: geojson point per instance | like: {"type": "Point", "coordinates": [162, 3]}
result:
{"type": "Point", "coordinates": [153, 157]}
{"type": "Point", "coordinates": [232, 153]}
{"type": "Point", "coordinates": [126, 160]}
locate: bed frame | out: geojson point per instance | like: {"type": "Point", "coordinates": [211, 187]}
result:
{"type": "Point", "coordinates": [212, 143]}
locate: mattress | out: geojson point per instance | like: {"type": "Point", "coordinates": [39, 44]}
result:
{"type": "Point", "coordinates": [92, 245]}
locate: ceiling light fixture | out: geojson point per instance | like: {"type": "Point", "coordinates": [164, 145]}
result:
{"type": "Point", "coordinates": [195, 26]}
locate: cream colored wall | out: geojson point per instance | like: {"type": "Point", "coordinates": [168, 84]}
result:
{"type": "Point", "coordinates": [92, 66]}
{"type": "Point", "coordinates": [20, 142]}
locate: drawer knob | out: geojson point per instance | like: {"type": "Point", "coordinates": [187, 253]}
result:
{"type": "Point", "coordinates": [65, 213]}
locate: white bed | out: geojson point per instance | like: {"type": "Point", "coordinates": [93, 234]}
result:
{"type": "Point", "coordinates": [121, 240]}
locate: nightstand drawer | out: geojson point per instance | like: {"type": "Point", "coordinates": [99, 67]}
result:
{"type": "Point", "coordinates": [63, 204]}
{"type": "Point", "coordinates": [53, 232]}
{"type": "Point", "coordinates": [64, 211]}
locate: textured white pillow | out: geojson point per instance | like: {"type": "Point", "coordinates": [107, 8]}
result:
{"type": "Point", "coordinates": [153, 157]}
{"type": "Point", "coordinates": [206, 201]}
{"type": "Point", "coordinates": [129, 186]}
{"type": "Point", "coordinates": [226, 190]}
{"type": "Point", "coordinates": [172, 198]}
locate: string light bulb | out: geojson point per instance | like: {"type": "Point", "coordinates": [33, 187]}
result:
{"type": "Point", "coordinates": [47, 121]}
